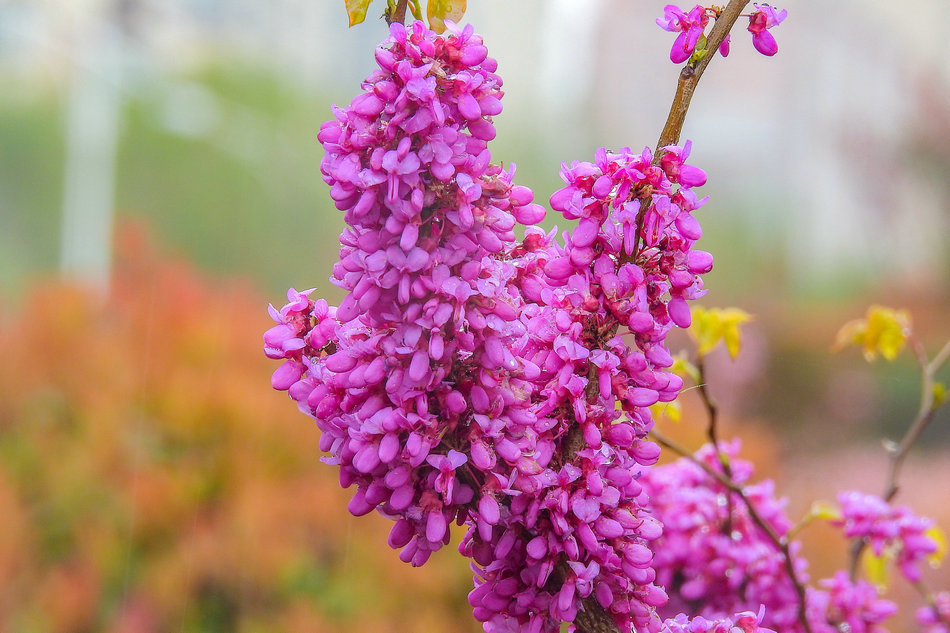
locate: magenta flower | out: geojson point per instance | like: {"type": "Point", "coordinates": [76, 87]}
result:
{"type": "Point", "coordinates": [762, 19]}
{"type": "Point", "coordinates": [933, 619]}
{"type": "Point", "coordinates": [690, 27]}
{"type": "Point", "coordinates": [452, 333]}
{"type": "Point", "coordinates": [446, 464]}
{"type": "Point", "coordinates": [886, 527]}
{"type": "Point", "coordinates": [724, 47]}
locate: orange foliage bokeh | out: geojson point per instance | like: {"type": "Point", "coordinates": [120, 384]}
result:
{"type": "Point", "coordinates": [150, 479]}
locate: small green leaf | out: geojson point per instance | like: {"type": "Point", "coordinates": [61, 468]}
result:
{"type": "Point", "coordinates": [940, 394]}
{"type": "Point", "coordinates": [824, 510]}
{"type": "Point", "coordinates": [700, 51]}
{"type": "Point", "coordinates": [438, 11]}
{"type": "Point", "coordinates": [672, 410]}
{"type": "Point", "coordinates": [356, 10]}
{"type": "Point", "coordinates": [936, 535]}
{"type": "Point", "coordinates": [877, 568]}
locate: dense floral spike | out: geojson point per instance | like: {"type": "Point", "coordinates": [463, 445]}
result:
{"type": "Point", "coordinates": [589, 512]}
{"type": "Point", "coordinates": [469, 378]}
{"type": "Point", "coordinates": [419, 361]}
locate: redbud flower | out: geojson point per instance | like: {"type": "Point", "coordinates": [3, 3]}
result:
{"type": "Point", "coordinates": [931, 619]}
{"type": "Point", "coordinates": [690, 26]}
{"type": "Point", "coordinates": [762, 19]}
{"type": "Point", "coordinates": [724, 47]}
{"type": "Point", "coordinates": [846, 605]}
{"type": "Point", "coordinates": [889, 528]}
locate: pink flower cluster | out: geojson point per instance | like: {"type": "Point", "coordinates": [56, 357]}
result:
{"type": "Point", "coordinates": [470, 378]}
{"type": "Point", "coordinates": [886, 527]}
{"type": "Point", "coordinates": [585, 507]}
{"type": "Point", "coordinates": [843, 604]}
{"type": "Point", "coordinates": [692, 26]}
{"type": "Point", "coordinates": [934, 619]}
{"type": "Point", "coordinates": [713, 559]}
{"type": "Point", "coordinates": [745, 622]}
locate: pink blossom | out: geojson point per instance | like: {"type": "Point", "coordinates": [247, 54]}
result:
{"type": "Point", "coordinates": [690, 27]}
{"type": "Point", "coordinates": [763, 18]}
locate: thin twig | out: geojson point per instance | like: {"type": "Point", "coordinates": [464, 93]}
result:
{"type": "Point", "coordinates": [712, 410]}
{"type": "Point", "coordinates": [685, 87]}
{"type": "Point", "coordinates": [712, 432]}
{"type": "Point", "coordinates": [925, 414]}
{"type": "Point", "coordinates": [781, 543]}
{"type": "Point", "coordinates": [692, 71]}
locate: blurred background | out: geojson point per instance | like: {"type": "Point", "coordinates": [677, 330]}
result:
{"type": "Point", "coordinates": [159, 185]}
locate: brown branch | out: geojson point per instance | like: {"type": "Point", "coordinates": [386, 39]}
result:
{"type": "Point", "coordinates": [594, 618]}
{"type": "Point", "coordinates": [691, 73]}
{"type": "Point", "coordinates": [397, 13]}
{"type": "Point", "coordinates": [781, 543]}
{"type": "Point", "coordinates": [685, 87]}
{"type": "Point", "coordinates": [925, 414]}
{"type": "Point", "coordinates": [712, 432]}
{"type": "Point", "coordinates": [712, 410]}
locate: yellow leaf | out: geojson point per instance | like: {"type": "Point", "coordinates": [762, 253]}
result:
{"type": "Point", "coordinates": [937, 535]}
{"type": "Point", "coordinates": [940, 394]}
{"type": "Point", "coordinates": [438, 11]}
{"type": "Point", "coordinates": [824, 510]}
{"type": "Point", "coordinates": [356, 10]}
{"type": "Point", "coordinates": [882, 331]}
{"type": "Point", "coordinates": [683, 368]}
{"type": "Point", "coordinates": [877, 568]}
{"type": "Point", "coordinates": [670, 410]}
{"type": "Point", "coordinates": [717, 324]}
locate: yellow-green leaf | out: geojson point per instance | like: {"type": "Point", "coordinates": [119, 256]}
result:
{"type": "Point", "coordinates": [940, 394]}
{"type": "Point", "coordinates": [356, 10]}
{"type": "Point", "coordinates": [877, 568]}
{"type": "Point", "coordinates": [824, 510]}
{"type": "Point", "coordinates": [672, 411]}
{"type": "Point", "coordinates": [882, 331]}
{"type": "Point", "coordinates": [718, 324]}
{"type": "Point", "coordinates": [683, 368]}
{"type": "Point", "coordinates": [938, 537]}
{"type": "Point", "coordinates": [438, 11]}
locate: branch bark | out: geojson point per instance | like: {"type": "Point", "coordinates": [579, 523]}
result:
{"type": "Point", "coordinates": [397, 13]}
{"type": "Point", "coordinates": [925, 414]}
{"type": "Point", "coordinates": [693, 71]}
